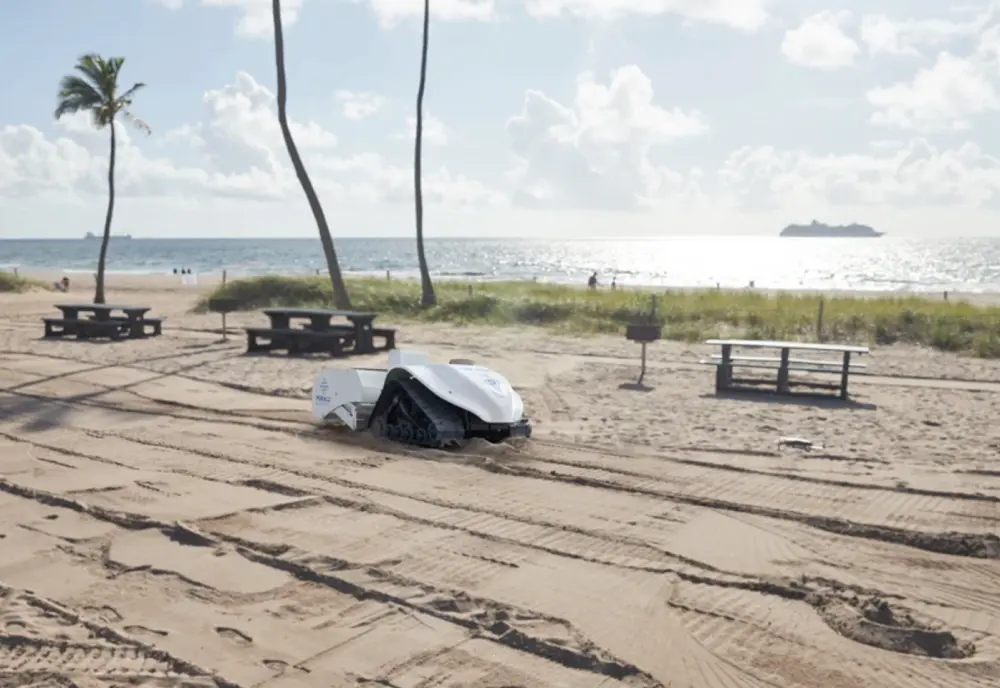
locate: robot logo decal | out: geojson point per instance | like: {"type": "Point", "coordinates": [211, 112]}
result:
{"type": "Point", "coordinates": [494, 384]}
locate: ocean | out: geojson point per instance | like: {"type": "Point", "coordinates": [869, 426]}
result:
{"type": "Point", "coordinates": [885, 264]}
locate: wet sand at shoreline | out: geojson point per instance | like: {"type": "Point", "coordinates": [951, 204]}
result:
{"type": "Point", "coordinates": [170, 516]}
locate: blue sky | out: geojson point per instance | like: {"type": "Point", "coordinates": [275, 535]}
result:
{"type": "Point", "coordinates": [646, 116]}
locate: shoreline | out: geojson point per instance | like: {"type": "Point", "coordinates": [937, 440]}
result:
{"type": "Point", "coordinates": [132, 281]}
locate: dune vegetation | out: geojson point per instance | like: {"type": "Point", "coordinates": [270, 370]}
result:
{"type": "Point", "coordinates": [688, 315]}
{"type": "Point", "coordinates": [13, 283]}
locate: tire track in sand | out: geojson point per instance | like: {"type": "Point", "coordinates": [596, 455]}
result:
{"type": "Point", "coordinates": [486, 618]}
{"type": "Point", "coordinates": [42, 638]}
{"type": "Point", "coordinates": [482, 513]}
{"type": "Point", "coordinates": [324, 565]}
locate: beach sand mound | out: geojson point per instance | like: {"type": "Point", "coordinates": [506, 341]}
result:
{"type": "Point", "coordinates": [876, 622]}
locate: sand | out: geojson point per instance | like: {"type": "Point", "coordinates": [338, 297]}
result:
{"type": "Point", "coordinates": [170, 516]}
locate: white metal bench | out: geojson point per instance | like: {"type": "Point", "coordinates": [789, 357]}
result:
{"type": "Point", "coordinates": [725, 364]}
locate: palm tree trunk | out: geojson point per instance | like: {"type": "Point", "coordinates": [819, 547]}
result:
{"type": "Point", "coordinates": [340, 295]}
{"type": "Point", "coordinates": [427, 296]}
{"type": "Point", "coordinates": [102, 258]}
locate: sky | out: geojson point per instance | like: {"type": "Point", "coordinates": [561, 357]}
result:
{"type": "Point", "coordinates": [543, 118]}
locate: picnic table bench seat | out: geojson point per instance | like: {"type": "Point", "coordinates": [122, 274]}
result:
{"type": "Point", "coordinates": [726, 364]}
{"type": "Point", "coordinates": [796, 363]}
{"type": "Point", "coordinates": [155, 323]}
{"type": "Point", "coordinates": [296, 340]}
{"type": "Point", "coordinates": [84, 329]}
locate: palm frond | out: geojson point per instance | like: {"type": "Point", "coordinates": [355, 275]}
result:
{"type": "Point", "coordinates": [95, 89]}
{"type": "Point", "coordinates": [76, 94]}
{"type": "Point", "coordinates": [136, 122]}
{"type": "Point", "coordinates": [99, 72]}
{"type": "Point", "coordinates": [127, 96]}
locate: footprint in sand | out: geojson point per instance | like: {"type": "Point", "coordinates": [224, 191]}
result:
{"type": "Point", "coordinates": [104, 614]}
{"type": "Point", "coordinates": [143, 630]}
{"type": "Point", "coordinates": [275, 664]}
{"type": "Point", "coordinates": [234, 635]}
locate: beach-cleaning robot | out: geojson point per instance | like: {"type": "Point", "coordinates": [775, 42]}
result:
{"type": "Point", "coordinates": [420, 403]}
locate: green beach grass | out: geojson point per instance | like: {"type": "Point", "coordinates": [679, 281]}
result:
{"type": "Point", "coordinates": [685, 315]}
{"type": "Point", "coordinates": [11, 283]}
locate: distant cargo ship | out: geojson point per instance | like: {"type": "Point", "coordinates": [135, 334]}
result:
{"type": "Point", "coordinates": [91, 235]}
{"type": "Point", "coordinates": [818, 229]}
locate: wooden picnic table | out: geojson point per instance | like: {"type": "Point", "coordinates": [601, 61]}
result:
{"type": "Point", "coordinates": [134, 320]}
{"type": "Point", "coordinates": [319, 335]}
{"type": "Point", "coordinates": [784, 364]}
{"type": "Point", "coordinates": [319, 321]}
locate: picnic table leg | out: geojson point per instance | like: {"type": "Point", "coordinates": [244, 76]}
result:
{"type": "Point", "coordinates": [280, 322]}
{"type": "Point", "coordinates": [844, 373]}
{"type": "Point", "coordinates": [783, 372]}
{"type": "Point", "coordinates": [364, 341]}
{"type": "Point", "coordinates": [724, 373]}
{"type": "Point", "coordinates": [136, 328]}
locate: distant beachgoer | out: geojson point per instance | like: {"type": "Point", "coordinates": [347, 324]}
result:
{"type": "Point", "coordinates": [592, 282]}
{"type": "Point", "coordinates": [62, 285]}
{"type": "Point", "coordinates": [614, 283]}
{"type": "Point", "coordinates": [175, 271]}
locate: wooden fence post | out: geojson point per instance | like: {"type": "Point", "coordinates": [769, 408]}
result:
{"type": "Point", "coordinates": [819, 322]}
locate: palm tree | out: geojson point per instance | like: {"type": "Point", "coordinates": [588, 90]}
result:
{"type": "Point", "coordinates": [427, 296]}
{"type": "Point", "coordinates": [94, 89]}
{"type": "Point", "coordinates": [340, 296]}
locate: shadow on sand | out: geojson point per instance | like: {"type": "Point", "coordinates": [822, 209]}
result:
{"type": "Point", "coordinates": [817, 400]}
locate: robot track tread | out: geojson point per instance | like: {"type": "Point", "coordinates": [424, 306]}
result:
{"type": "Point", "coordinates": [442, 424]}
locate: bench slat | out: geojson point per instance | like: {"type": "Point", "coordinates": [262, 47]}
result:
{"type": "Point", "coordinates": [802, 346]}
{"type": "Point", "coordinates": [777, 359]}
{"type": "Point", "coordinates": [796, 367]}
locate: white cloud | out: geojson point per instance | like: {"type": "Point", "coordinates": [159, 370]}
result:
{"type": "Point", "coordinates": [435, 133]}
{"type": "Point", "coordinates": [380, 181]}
{"type": "Point", "coordinates": [169, 4]}
{"type": "Point", "coordinates": [746, 15]}
{"type": "Point", "coordinates": [941, 97]}
{"type": "Point", "coordinates": [820, 42]}
{"type": "Point", "coordinates": [596, 153]}
{"type": "Point", "coordinates": [255, 15]}
{"type": "Point", "coordinates": [911, 174]}
{"type": "Point", "coordinates": [241, 155]}
{"type": "Point", "coordinates": [909, 37]}
{"type": "Point", "coordinates": [391, 12]}
{"type": "Point", "coordinates": [359, 105]}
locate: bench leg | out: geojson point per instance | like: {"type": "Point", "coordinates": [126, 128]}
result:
{"type": "Point", "coordinates": [783, 372]}
{"type": "Point", "coordinates": [364, 341]}
{"type": "Point", "coordinates": [251, 342]}
{"type": "Point", "coordinates": [723, 377]}
{"type": "Point", "coordinates": [844, 374]}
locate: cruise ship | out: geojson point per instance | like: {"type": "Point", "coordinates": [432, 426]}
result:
{"type": "Point", "coordinates": [91, 235]}
{"type": "Point", "coordinates": [818, 229]}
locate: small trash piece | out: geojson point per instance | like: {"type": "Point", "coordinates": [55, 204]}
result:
{"type": "Point", "coordinates": [798, 443]}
